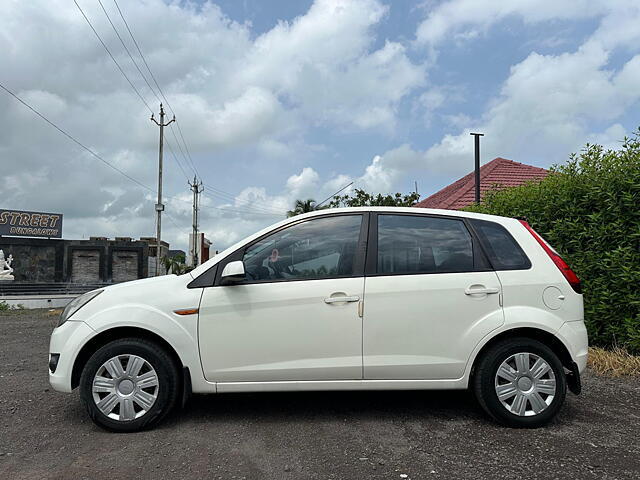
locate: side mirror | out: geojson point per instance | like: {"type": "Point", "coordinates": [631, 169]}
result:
{"type": "Point", "coordinates": [233, 272]}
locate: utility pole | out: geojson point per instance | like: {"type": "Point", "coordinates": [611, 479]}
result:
{"type": "Point", "coordinates": [159, 205]}
{"type": "Point", "coordinates": [477, 169]}
{"type": "Point", "coordinates": [196, 188]}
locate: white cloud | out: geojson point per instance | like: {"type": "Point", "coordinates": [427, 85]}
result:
{"type": "Point", "coordinates": [265, 96]}
{"type": "Point", "coordinates": [321, 62]}
{"type": "Point", "coordinates": [545, 110]}
{"type": "Point", "coordinates": [385, 170]}
{"type": "Point", "coordinates": [230, 89]}
{"type": "Point", "coordinates": [466, 19]}
{"type": "Point", "coordinates": [549, 103]}
{"type": "Point", "coordinates": [303, 184]}
{"type": "Point", "coordinates": [611, 138]}
{"type": "Point", "coordinates": [251, 116]}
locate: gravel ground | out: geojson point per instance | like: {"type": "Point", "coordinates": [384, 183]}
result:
{"type": "Point", "coordinates": [393, 435]}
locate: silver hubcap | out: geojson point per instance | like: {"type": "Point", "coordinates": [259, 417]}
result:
{"type": "Point", "coordinates": [125, 387]}
{"type": "Point", "coordinates": [525, 384]}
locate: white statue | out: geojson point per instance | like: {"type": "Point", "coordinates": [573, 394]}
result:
{"type": "Point", "coordinates": [5, 267]}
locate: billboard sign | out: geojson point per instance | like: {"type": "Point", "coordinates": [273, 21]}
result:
{"type": "Point", "coordinates": [18, 223]}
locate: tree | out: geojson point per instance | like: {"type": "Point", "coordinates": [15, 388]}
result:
{"type": "Point", "coordinates": [175, 264]}
{"type": "Point", "coordinates": [363, 199]}
{"type": "Point", "coordinates": [302, 206]}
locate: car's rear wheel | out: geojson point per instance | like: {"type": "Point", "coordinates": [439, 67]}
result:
{"type": "Point", "coordinates": [129, 384]}
{"type": "Point", "coordinates": [520, 382]}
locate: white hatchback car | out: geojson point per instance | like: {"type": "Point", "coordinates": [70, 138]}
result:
{"type": "Point", "coordinates": [348, 299]}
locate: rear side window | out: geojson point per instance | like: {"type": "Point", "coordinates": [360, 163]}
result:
{"type": "Point", "coordinates": [418, 244]}
{"type": "Point", "coordinates": [502, 249]}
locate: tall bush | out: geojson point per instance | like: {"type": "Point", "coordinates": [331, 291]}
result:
{"type": "Point", "coordinates": [589, 210]}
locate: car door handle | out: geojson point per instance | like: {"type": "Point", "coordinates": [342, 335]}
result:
{"type": "Point", "coordinates": [342, 299]}
{"type": "Point", "coordinates": [474, 291]}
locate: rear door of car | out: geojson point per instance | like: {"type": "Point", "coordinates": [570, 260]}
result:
{"type": "Point", "coordinates": [430, 297]}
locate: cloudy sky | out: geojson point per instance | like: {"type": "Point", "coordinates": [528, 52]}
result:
{"type": "Point", "coordinates": [286, 99]}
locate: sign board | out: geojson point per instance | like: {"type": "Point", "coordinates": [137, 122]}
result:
{"type": "Point", "coordinates": [19, 223]}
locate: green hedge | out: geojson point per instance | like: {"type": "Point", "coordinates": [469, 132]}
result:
{"type": "Point", "coordinates": [589, 210]}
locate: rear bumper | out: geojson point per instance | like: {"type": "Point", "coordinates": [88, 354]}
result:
{"type": "Point", "coordinates": [66, 341]}
{"type": "Point", "coordinates": [574, 336]}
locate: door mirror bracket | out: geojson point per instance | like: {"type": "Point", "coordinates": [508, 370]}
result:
{"type": "Point", "coordinates": [233, 272]}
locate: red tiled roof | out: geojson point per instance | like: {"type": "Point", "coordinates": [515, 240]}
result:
{"type": "Point", "coordinates": [498, 172]}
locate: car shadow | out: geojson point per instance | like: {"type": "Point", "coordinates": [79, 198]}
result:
{"type": "Point", "coordinates": [294, 406]}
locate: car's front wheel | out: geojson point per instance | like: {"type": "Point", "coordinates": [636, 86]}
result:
{"type": "Point", "coordinates": [129, 384]}
{"type": "Point", "coordinates": [520, 382]}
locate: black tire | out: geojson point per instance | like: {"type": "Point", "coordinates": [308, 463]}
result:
{"type": "Point", "coordinates": [484, 382]}
{"type": "Point", "coordinates": [168, 383]}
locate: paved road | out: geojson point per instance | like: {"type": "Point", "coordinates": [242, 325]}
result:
{"type": "Point", "coordinates": [44, 434]}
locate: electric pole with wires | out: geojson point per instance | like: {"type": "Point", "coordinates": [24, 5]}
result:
{"type": "Point", "coordinates": [159, 205]}
{"type": "Point", "coordinates": [197, 188]}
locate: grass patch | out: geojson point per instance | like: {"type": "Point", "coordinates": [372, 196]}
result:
{"type": "Point", "coordinates": [616, 362]}
{"type": "Point", "coordinates": [5, 307]}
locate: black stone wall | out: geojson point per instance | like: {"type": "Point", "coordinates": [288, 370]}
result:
{"type": "Point", "coordinates": [41, 260]}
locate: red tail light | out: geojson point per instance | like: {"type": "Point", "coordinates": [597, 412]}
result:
{"type": "Point", "coordinates": [564, 268]}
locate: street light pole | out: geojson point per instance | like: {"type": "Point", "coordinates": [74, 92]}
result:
{"type": "Point", "coordinates": [159, 205]}
{"type": "Point", "coordinates": [477, 166]}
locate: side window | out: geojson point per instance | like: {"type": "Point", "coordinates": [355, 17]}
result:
{"type": "Point", "coordinates": [419, 244]}
{"type": "Point", "coordinates": [503, 251]}
{"type": "Point", "coordinates": [318, 248]}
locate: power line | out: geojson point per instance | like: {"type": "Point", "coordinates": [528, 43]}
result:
{"type": "Point", "coordinates": [246, 212]}
{"type": "Point", "coordinates": [242, 203]}
{"type": "Point", "coordinates": [173, 154]}
{"type": "Point", "coordinates": [230, 197]}
{"type": "Point", "coordinates": [228, 209]}
{"type": "Point", "coordinates": [73, 139]}
{"type": "Point", "coordinates": [187, 156]}
{"type": "Point", "coordinates": [257, 210]}
{"type": "Point", "coordinates": [135, 42]}
{"type": "Point", "coordinates": [219, 194]}
{"type": "Point", "coordinates": [143, 77]}
{"type": "Point", "coordinates": [155, 81]}
{"type": "Point", "coordinates": [180, 148]}
{"type": "Point", "coordinates": [171, 219]}
{"type": "Point", "coordinates": [112, 57]}
{"type": "Point", "coordinates": [186, 147]}
{"type": "Point", "coordinates": [106, 162]}
{"type": "Point", "coordinates": [126, 49]}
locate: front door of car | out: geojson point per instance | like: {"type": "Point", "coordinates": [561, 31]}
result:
{"type": "Point", "coordinates": [430, 298]}
{"type": "Point", "coordinates": [296, 315]}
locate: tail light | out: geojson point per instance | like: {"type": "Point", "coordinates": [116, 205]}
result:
{"type": "Point", "coordinates": [564, 268]}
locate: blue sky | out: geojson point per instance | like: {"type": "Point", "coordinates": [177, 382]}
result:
{"type": "Point", "coordinates": [292, 99]}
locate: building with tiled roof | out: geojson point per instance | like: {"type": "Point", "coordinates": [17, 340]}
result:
{"type": "Point", "coordinates": [498, 173]}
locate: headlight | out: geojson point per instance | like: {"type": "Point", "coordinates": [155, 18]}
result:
{"type": "Point", "coordinates": [76, 304]}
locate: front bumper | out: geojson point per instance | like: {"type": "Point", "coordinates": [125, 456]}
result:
{"type": "Point", "coordinates": [67, 340]}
